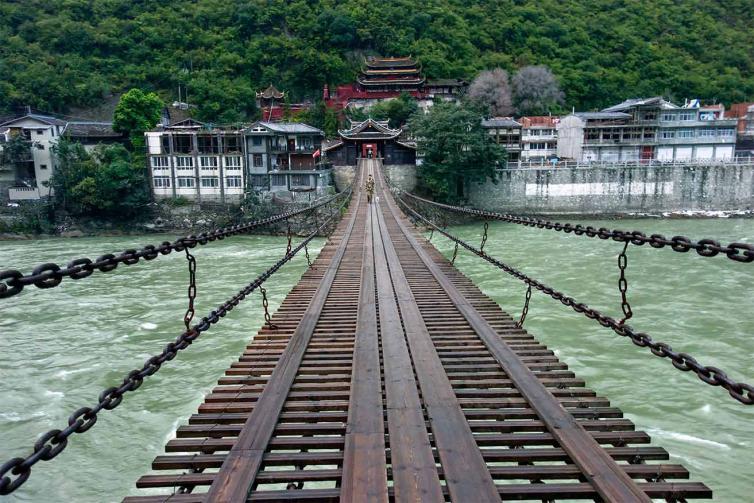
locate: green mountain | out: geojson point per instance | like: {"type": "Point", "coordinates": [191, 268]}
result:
{"type": "Point", "coordinates": [58, 54]}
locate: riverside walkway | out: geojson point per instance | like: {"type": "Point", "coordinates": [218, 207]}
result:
{"type": "Point", "coordinates": [386, 375]}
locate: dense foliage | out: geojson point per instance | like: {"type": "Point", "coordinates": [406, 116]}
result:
{"type": "Point", "coordinates": [106, 183]}
{"type": "Point", "coordinates": [457, 150]}
{"type": "Point", "coordinates": [62, 53]}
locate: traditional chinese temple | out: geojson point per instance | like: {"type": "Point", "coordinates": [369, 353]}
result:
{"type": "Point", "coordinates": [271, 102]}
{"type": "Point", "coordinates": [386, 78]}
{"type": "Point", "coordinates": [370, 139]}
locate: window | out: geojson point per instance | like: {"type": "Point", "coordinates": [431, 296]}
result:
{"type": "Point", "coordinates": [726, 132]}
{"type": "Point", "coordinates": [256, 140]}
{"type": "Point", "coordinates": [300, 180]}
{"type": "Point", "coordinates": [40, 131]}
{"type": "Point", "coordinates": [233, 181]}
{"type": "Point", "coordinates": [592, 134]}
{"type": "Point", "coordinates": [537, 146]}
{"type": "Point", "coordinates": [649, 134]}
{"type": "Point", "coordinates": [43, 166]}
{"type": "Point", "coordinates": [706, 133]}
{"type": "Point", "coordinates": [159, 162]}
{"type": "Point", "coordinates": [258, 161]}
{"type": "Point", "coordinates": [669, 117]}
{"type": "Point", "coordinates": [685, 133]}
{"type": "Point", "coordinates": [184, 162]}
{"type": "Point", "coordinates": [233, 163]}
{"type": "Point", "coordinates": [208, 162]}
{"type": "Point", "coordinates": [667, 134]}
{"type": "Point", "coordinates": [279, 180]}
{"type": "Point", "coordinates": [186, 182]}
{"type": "Point", "coordinates": [258, 181]}
{"type": "Point", "coordinates": [161, 182]}
{"type": "Point", "coordinates": [649, 116]}
{"type": "Point", "coordinates": [687, 116]}
{"type": "Point", "coordinates": [210, 181]}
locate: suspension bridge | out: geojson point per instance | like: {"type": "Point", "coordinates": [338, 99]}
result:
{"type": "Point", "coordinates": [387, 375]}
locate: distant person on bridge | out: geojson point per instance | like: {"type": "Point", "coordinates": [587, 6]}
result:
{"type": "Point", "coordinates": [369, 187]}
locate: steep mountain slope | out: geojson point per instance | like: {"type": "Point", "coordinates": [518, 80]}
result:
{"type": "Point", "coordinates": [55, 54]}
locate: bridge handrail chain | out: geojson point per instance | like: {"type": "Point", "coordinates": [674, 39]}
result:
{"type": "Point", "coordinates": [714, 376]}
{"type": "Point", "coordinates": [50, 275]}
{"type": "Point", "coordinates": [738, 252]}
{"type": "Point", "coordinates": [52, 443]}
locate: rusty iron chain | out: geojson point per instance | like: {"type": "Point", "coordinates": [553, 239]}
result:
{"type": "Point", "coordinates": [265, 305]}
{"type": "Point", "coordinates": [289, 235]}
{"type": "Point", "coordinates": [738, 252]}
{"type": "Point", "coordinates": [455, 254]}
{"type": "Point", "coordinates": [525, 310]}
{"type": "Point", "coordinates": [191, 290]}
{"type": "Point", "coordinates": [308, 258]}
{"type": "Point", "coordinates": [50, 275]}
{"type": "Point", "coordinates": [52, 443]}
{"type": "Point", "coordinates": [713, 376]}
{"type": "Point", "coordinates": [623, 286]}
{"type": "Point", "coordinates": [484, 236]}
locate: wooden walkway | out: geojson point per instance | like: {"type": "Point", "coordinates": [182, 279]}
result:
{"type": "Point", "coordinates": [392, 377]}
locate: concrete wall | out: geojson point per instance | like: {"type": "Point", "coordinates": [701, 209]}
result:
{"type": "Point", "coordinates": [343, 176]}
{"type": "Point", "coordinates": [402, 176]}
{"type": "Point", "coordinates": [618, 190]}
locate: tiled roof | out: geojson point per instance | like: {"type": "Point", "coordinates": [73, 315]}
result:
{"type": "Point", "coordinates": [602, 115]}
{"type": "Point", "coordinates": [633, 102]}
{"type": "Point", "coordinates": [289, 127]}
{"type": "Point", "coordinates": [500, 122]}
{"type": "Point", "coordinates": [91, 130]}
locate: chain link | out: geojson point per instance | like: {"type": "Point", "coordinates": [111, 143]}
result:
{"type": "Point", "coordinates": [191, 290]}
{"type": "Point", "coordinates": [50, 275]}
{"type": "Point", "coordinates": [738, 252]}
{"type": "Point", "coordinates": [265, 305]}
{"type": "Point", "coordinates": [289, 235]}
{"type": "Point", "coordinates": [623, 286]}
{"type": "Point", "coordinates": [52, 443]}
{"type": "Point", "coordinates": [455, 254]}
{"type": "Point", "coordinates": [484, 236]}
{"type": "Point", "coordinates": [525, 310]}
{"type": "Point", "coordinates": [308, 258]}
{"type": "Point", "coordinates": [714, 376]}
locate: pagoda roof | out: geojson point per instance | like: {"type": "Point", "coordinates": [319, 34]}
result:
{"type": "Point", "coordinates": [270, 93]}
{"type": "Point", "coordinates": [389, 71]}
{"type": "Point", "coordinates": [416, 81]}
{"type": "Point", "coordinates": [376, 62]}
{"type": "Point", "coordinates": [369, 129]}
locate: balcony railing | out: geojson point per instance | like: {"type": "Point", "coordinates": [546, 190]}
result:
{"type": "Point", "coordinates": [23, 193]}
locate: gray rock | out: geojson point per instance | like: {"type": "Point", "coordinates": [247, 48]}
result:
{"type": "Point", "coordinates": [74, 233]}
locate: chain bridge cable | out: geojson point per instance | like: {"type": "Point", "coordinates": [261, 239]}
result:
{"type": "Point", "coordinates": [50, 275]}
{"type": "Point", "coordinates": [52, 443]}
{"type": "Point", "coordinates": [739, 252]}
{"type": "Point", "coordinates": [713, 376]}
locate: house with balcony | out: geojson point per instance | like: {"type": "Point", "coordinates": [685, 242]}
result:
{"type": "Point", "coordinates": [648, 129]}
{"type": "Point", "coordinates": [197, 161]}
{"type": "Point", "coordinates": [283, 156]}
{"type": "Point", "coordinates": [539, 137]}
{"type": "Point", "coordinates": [506, 132]}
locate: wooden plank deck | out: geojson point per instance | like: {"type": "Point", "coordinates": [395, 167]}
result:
{"type": "Point", "coordinates": [390, 376]}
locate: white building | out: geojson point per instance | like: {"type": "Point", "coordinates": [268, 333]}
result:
{"type": "Point", "coordinates": [648, 129]}
{"type": "Point", "coordinates": [28, 180]}
{"type": "Point", "coordinates": [539, 137]}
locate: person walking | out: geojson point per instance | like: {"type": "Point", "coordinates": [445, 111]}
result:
{"type": "Point", "coordinates": [369, 187]}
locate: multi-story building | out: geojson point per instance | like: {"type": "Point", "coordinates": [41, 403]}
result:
{"type": "Point", "coordinates": [539, 138]}
{"type": "Point", "coordinates": [203, 163]}
{"type": "Point", "coordinates": [282, 156]}
{"type": "Point", "coordinates": [190, 159]}
{"type": "Point", "coordinates": [507, 133]}
{"type": "Point", "coordinates": [28, 178]}
{"type": "Point", "coordinates": [648, 129]}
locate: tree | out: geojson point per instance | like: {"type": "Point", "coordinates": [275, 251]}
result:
{"type": "Point", "coordinates": [396, 111]}
{"type": "Point", "coordinates": [457, 150]}
{"type": "Point", "coordinates": [322, 117]}
{"type": "Point", "coordinates": [536, 91]}
{"type": "Point", "coordinates": [491, 90]}
{"type": "Point", "coordinates": [136, 113]}
{"type": "Point", "coordinates": [107, 182]}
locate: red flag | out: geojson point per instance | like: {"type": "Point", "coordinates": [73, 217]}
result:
{"type": "Point", "coordinates": [316, 153]}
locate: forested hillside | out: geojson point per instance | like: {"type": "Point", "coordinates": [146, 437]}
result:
{"type": "Point", "coordinates": [58, 54]}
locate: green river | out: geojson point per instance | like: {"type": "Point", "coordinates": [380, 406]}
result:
{"type": "Point", "coordinates": [59, 348]}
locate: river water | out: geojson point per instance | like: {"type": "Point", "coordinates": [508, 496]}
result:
{"type": "Point", "coordinates": [59, 348]}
